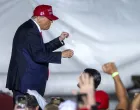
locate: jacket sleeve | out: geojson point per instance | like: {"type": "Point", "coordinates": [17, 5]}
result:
{"type": "Point", "coordinates": [38, 52]}
{"type": "Point", "coordinates": [54, 44]}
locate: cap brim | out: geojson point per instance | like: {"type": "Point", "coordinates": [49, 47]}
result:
{"type": "Point", "coordinates": [53, 17]}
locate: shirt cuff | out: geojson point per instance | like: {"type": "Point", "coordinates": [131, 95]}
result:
{"type": "Point", "coordinates": [62, 42]}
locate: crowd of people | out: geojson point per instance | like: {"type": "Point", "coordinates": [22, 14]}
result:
{"type": "Point", "coordinates": [88, 96]}
{"type": "Point", "coordinates": [29, 71]}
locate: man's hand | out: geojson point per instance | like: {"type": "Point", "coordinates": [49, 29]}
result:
{"type": "Point", "coordinates": [123, 101]}
{"type": "Point", "coordinates": [86, 84]}
{"type": "Point", "coordinates": [67, 53]}
{"type": "Point", "coordinates": [63, 36]}
{"type": "Point", "coordinates": [109, 68]}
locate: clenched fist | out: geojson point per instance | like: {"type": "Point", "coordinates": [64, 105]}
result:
{"type": "Point", "coordinates": [67, 53]}
{"type": "Point", "coordinates": [109, 68]}
{"type": "Point", "coordinates": [63, 36]}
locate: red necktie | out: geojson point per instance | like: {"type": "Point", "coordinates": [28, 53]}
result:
{"type": "Point", "coordinates": [41, 34]}
{"type": "Point", "coordinates": [48, 68]}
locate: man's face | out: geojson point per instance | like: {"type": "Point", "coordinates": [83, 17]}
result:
{"type": "Point", "coordinates": [44, 23]}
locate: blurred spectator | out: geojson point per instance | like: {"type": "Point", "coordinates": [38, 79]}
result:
{"type": "Point", "coordinates": [101, 96]}
{"type": "Point", "coordinates": [41, 101]}
{"type": "Point", "coordinates": [53, 104]}
{"type": "Point", "coordinates": [93, 73]}
{"type": "Point", "coordinates": [67, 105]}
{"type": "Point", "coordinates": [51, 107]}
{"type": "Point", "coordinates": [87, 87]}
{"type": "Point", "coordinates": [135, 105]}
{"type": "Point", "coordinates": [6, 101]}
{"type": "Point", "coordinates": [56, 101]}
{"type": "Point", "coordinates": [102, 100]}
{"type": "Point", "coordinates": [111, 69]}
{"type": "Point", "coordinates": [32, 103]}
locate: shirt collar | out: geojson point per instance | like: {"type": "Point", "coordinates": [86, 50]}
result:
{"type": "Point", "coordinates": [37, 25]}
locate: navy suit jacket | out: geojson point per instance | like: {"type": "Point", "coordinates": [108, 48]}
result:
{"type": "Point", "coordinates": [28, 68]}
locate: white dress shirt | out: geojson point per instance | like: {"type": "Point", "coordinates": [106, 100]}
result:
{"type": "Point", "coordinates": [37, 25]}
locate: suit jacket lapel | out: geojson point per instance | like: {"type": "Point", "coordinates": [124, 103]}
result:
{"type": "Point", "coordinates": [35, 28]}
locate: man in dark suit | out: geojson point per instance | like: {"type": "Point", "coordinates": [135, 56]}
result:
{"type": "Point", "coordinates": [30, 57]}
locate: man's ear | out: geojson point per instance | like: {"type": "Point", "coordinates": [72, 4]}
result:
{"type": "Point", "coordinates": [37, 108]}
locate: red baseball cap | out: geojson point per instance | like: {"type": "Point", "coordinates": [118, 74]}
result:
{"type": "Point", "coordinates": [44, 10]}
{"type": "Point", "coordinates": [102, 99]}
